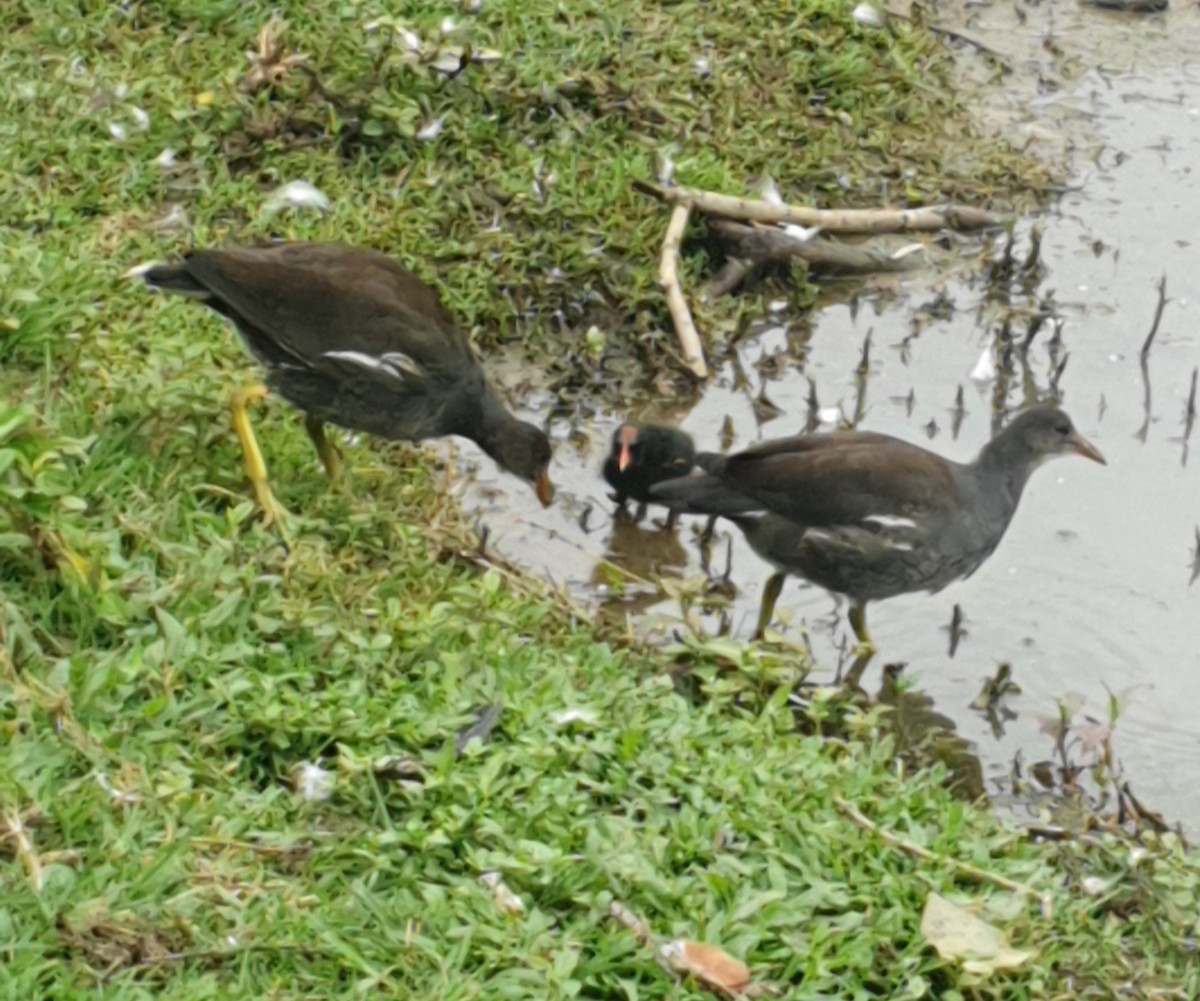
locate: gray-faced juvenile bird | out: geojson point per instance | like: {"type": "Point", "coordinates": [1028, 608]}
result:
{"type": "Point", "coordinates": [643, 456]}
{"type": "Point", "coordinates": [353, 339]}
{"type": "Point", "coordinates": [870, 516]}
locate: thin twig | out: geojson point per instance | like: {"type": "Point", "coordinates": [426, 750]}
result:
{"type": "Point", "coordinates": [218, 955]}
{"type": "Point", "coordinates": [974, 872]}
{"type": "Point", "coordinates": [668, 278]}
{"type": "Point", "coordinates": [971, 40]}
{"type": "Point", "coordinates": [16, 830]}
{"type": "Point", "coordinates": [932, 217]}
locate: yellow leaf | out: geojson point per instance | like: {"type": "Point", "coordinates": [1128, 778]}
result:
{"type": "Point", "coordinates": [956, 933]}
{"type": "Point", "coordinates": [205, 98]}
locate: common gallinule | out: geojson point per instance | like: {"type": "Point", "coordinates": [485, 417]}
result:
{"type": "Point", "coordinates": [870, 516]}
{"type": "Point", "coordinates": [645, 455]}
{"type": "Point", "coordinates": [350, 337]}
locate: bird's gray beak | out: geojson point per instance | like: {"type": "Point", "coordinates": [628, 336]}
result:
{"type": "Point", "coordinates": [1085, 448]}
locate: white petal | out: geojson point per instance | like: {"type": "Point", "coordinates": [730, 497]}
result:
{"type": "Point", "coordinates": [666, 168]}
{"type": "Point", "coordinates": [565, 717]}
{"type": "Point", "coordinates": [768, 190]}
{"type": "Point", "coordinates": [868, 16]}
{"type": "Point", "coordinates": [314, 783]}
{"type": "Point", "coordinates": [296, 194]}
{"type": "Point", "coordinates": [907, 250]}
{"type": "Point", "coordinates": [798, 232]}
{"type": "Point", "coordinates": [985, 369]}
{"type": "Point", "coordinates": [431, 130]}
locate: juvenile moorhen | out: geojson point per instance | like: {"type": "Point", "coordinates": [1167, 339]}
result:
{"type": "Point", "coordinates": [870, 516]}
{"type": "Point", "coordinates": [645, 455]}
{"type": "Point", "coordinates": [350, 337]}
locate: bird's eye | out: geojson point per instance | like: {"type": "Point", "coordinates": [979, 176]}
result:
{"type": "Point", "coordinates": [1063, 429]}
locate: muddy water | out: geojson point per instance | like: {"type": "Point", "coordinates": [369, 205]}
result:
{"type": "Point", "coordinates": [1090, 587]}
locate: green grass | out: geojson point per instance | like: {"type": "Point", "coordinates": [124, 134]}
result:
{"type": "Point", "coordinates": [166, 666]}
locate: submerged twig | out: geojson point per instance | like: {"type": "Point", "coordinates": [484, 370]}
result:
{"type": "Point", "coordinates": [755, 246]}
{"type": "Point", "coordinates": [917, 851]}
{"type": "Point", "coordinates": [1189, 412]}
{"type": "Point", "coordinates": [668, 279]}
{"type": "Point", "coordinates": [1144, 357]}
{"type": "Point", "coordinates": [1158, 314]}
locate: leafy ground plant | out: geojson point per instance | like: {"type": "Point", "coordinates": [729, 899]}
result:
{"type": "Point", "coordinates": [232, 769]}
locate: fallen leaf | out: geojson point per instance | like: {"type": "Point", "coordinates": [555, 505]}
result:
{"type": "Point", "coordinates": [712, 967]}
{"type": "Point", "coordinates": [957, 934]}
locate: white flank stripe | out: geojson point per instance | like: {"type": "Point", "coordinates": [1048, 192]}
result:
{"type": "Point", "coordinates": [890, 521]}
{"type": "Point", "coordinates": [401, 364]}
{"type": "Point", "coordinates": [389, 365]}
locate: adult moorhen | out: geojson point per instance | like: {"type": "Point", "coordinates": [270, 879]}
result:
{"type": "Point", "coordinates": [350, 337]}
{"type": "Point", "coordinates": [870, 516]}
{"type": "Point", "coordinates": [643, 456]}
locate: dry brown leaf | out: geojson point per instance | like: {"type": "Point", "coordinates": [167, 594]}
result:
{"type": "Point", "coordinates": [712, 967]}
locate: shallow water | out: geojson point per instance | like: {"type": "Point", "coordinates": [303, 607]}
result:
{"type": "Point", "coordinates": [1090, 587]}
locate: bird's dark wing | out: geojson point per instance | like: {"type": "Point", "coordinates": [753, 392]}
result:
{"type": "Point", "coordinates": [704, 493]}
{"type": "Point", "coordinates": [312, 301]}
{"type": "Point", "coordinates": [849, 478]}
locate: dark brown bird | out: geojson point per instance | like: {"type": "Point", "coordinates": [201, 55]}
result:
{"type": "Point", "coordinates": [643, 456]}
{"type": "Point", "coordinates": [870, 516]}
{"type": "Point", "coordinates": [353, 339]}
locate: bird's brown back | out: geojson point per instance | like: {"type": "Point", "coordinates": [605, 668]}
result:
{"type": "Point", "coordinates": [314, 298]}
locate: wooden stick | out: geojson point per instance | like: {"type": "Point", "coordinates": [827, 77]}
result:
{"type": "Point", "coordinates": [668, 279]}
{"type": "Point", "coordinates": [933, 217]}
{"type": "Point", "coordinates": [767, 244]}
{"type": "Point", "coordinates": [980, 875]}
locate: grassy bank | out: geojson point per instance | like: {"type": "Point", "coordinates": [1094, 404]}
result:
{"type": "Point", "coordinates": [168, 669]}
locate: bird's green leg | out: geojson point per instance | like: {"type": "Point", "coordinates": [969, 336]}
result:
{"type": "Point", "coordinates": [767, 609]}
{"type": "Point", "coordinates": [256, 468]}
{"type": "Point", "coordinates": [331, 459]}
{"type": "Point", "coordinates": [858, 622]}
{"type": "Point", "coordinates": [866, 648]}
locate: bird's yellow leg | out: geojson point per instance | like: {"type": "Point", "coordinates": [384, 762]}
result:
{"type": "Point", "coordinates": [330, 458]}
{"type": "Point", "coordinates": [767, 610]}
{"type": "Point", "coordinates": [858, 622]}
{"type": "Point", "coordinates": [256, 468]}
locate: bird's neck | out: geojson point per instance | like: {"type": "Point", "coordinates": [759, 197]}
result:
{"type": "Point", "coordinates": [489, 424]}
{"type": "Point", "coordinates": [1003, 469]}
